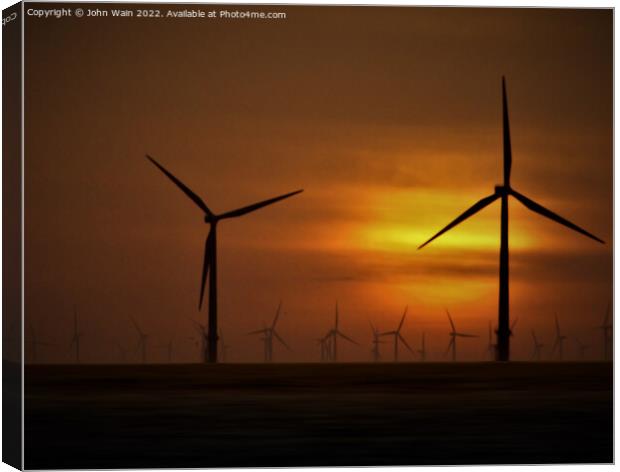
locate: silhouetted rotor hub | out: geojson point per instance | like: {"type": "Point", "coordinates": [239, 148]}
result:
{"type": "Point", "coordinates": [501, 189]}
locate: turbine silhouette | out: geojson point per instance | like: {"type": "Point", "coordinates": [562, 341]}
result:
{"type": "Point", "coordinates": [558, 344]}
{"type": "Point", "coordinates": [605, 327]}
{"type": "Point", "coordinates": [209, 267]}
{"type": "Point", "coordinates": [422, 350]}
{"type": "Point", "coordinates": [398, 337]}
{"type": "Point", "coordinates": [75, 339]}
{"type": "Point", "coordinates": [453, 335]}
{"type": "Point", "coordinates": [537, 347]}
{"type": "Point", "coordinates": [376, 340]}
{"type": "Point", "coordinates": [332, 339]}
{"type": "Point", "coordinates": [503, 192]}
{"type": "Point", "coordinates": [268, 334]}
{"type": "Point", "coordinates": [581, 349]}
{"type": "Point", "coordinates": [142, 338]}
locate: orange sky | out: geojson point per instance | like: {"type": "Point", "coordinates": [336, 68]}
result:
{"type": "Point", "coordinates": [389, 118]}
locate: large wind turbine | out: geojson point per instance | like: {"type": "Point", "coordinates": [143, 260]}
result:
{"type": "Point", "coordinates": [558, 344]}
{"type": "Point", "coordinates": [332, 338]}
{"type": "Point", "coordinates": [269, 333]}
{"type": "Point", "coordinates": [209, 267]}
{"type": "Point", "coordinates": [453, 335]}
{"type": "Point", "coordinates": [142, 337]}
{"type": "Point", "coordinates": [605, 327]}
{"type": "Point", "coordinates": [537, 347]}
{"type": "Point", "coordinates": [75, 339]}
{"type": "Point", "coordinates": [398, 337]}
{"type": "Point", "coordinates": [503, 192]}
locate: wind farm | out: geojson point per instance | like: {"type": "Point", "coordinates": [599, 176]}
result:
{"type": "Point", "coordinates": [330, 239]}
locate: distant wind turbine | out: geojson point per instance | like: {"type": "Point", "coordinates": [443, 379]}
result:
{"type": "Point", "coordinates": [558, 343]}
{"type": "Point", "coordinates": [268, 334]}
{"type": "Point", "coordinates": [398, 337]}
{"type": "Point", "coordinates": [75, 339]}
{"type": "Point", "coordinates": [376, 340]}
{"type": "Point", "coordinates": [169, 348]}
{"type": "Point", "coordinates": [605, 327]}
{"type": "Point", "coordinates": [581, 349]}
{"type": "Point", "coordinates": [332, 337]}
{"type": "Point", "coordinates": [142, 338]}
{"type": "Point", "coordinates": [422, 350]}
{"type": "Point", "coordinates": [209, 267]}
{"type": "Point", "coordinates": [202, 337]}
{"type": "Point", "coordinates": [35, 343]}
{"type": "Point", "coordinates": [503, 192]}
{"type": "Point", "coordinates": [537, 347]}
{"type": "Point", "coordinates": [453, 335]}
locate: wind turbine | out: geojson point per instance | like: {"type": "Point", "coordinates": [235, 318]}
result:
{"type": "Point", "coordinates": [503, 192]}
{"type": "Point", "coordinates": [34, 343]}
{"type": "Point", "coordinates": [122, 351]}
{"type": "Point", "coordinates": [582, 348]}
{"type": "Point", "coordinates": [399, 337]}
{"type": "Point", "coordinates": [168, 347]}
{"type": "Point", "coordinates": [453, 335]}
{"type": "Point", "coordinates": [202, 333]}
{"type": "Point", "coordinates": [269, 333]}
{"type": "Point", "coordinates": [537, 347]}
{"type": "Point", "coordinates": [606, 329]}
{"type": "Point", "coordinates": [209, 267]}
{"type": "Point", "coordinates": [75, 339]}
{"type": "Point", "coordinates": [376, 354]}
{"type": "Point", "coordinates": [142, 337]}
{"type": "Point", "coordinates": [223, 348]}
{"type": "Point", "coordinates": [332, 337]}
{"type": "Point", "coordinates": [325, 348]}
{"type": "Point", "coordinates": [558, 344]}
{"type": "Point", "coordinates": [422, 350]}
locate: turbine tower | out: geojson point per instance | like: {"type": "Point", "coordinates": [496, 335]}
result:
{"type": "Point", "coordinates": [503, 192]}
{"type": "Point", "coordinates": [142, 337]}
{"type": "Point", "coordinates": [453, 335]}
{"type": "Point", "coordinates": [537, 347]}
{"type": "Point", "coordinates": [398, 337]}
{"type": "Point", "coordinates": [605, 327]}
{"type": "Point", "coordinates": [209, 267]}
{"type": "Point", "coordinates": [332, 339]}
{"type": "Point", "coordinates": [75, 339]}
{"type": "Point", "coordinates": [558, 344]}
{"type": "Point", "coordinates": [268, 334]}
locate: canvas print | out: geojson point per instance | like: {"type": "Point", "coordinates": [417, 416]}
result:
{"type": "Point", "coordinates": [297, 235]}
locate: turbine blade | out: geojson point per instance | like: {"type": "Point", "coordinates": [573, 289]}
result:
{"type": "Point", "coordinates": [195, 198]}
{"type": "Point", "coordinates": [275, 320]}
{"type": "Point", "coordinates": [451, 322]}
{"type": "Point", "coordinates": [136, 325]}
{"type": "Point", "coordinates": [471, 211]}
{"type": "Point", "coordinates": [282, 341]}
{"type": "Point", "coordinates": [449, 345]}
{"type": "Point", "coordinates": [507, 146]}
{"type": "Point", "coordinates": [406, 345]}
{"type": "Point", "coordinates": [250, 208]}
{"type": "Point", "coordinates": [402, 319]}
{"type": "Point", "coordinates": [536, 208]}
{"type": "Point", "coordinates": [205, 266]}
{"type": "Point", "coordinates": [258, 331]}
{"type": "Point", "coordinates": [514, 323]}
{"type": "Point", "coordinates": [346, 337]}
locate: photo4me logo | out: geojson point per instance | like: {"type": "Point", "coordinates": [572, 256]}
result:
{"type": "Point", "coordinates": [9, 18]}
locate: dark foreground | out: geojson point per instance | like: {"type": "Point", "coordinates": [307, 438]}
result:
{"type": "Point", "coordinates": [317, 414]}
